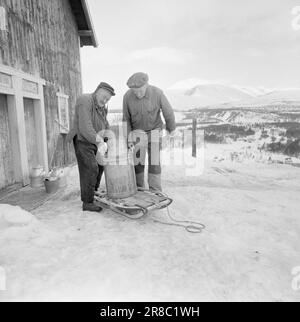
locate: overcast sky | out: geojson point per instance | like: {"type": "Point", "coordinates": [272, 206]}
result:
{"type": "Point", "coordinates": [241, 42]}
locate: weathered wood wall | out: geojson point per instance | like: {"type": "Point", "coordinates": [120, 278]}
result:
{"type": "Point", "coordinates": [42, 39]}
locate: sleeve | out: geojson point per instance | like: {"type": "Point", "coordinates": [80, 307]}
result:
{"type": "Point", "coordinates": [86, 128]}
{"type": "Point", "coordinates": [107, 131]}
{"type": "Point", "coordinates": [168, 113]}
{"type": "Point", "coordinates": [107, 125]}
{"type": "Point", "coordinates": [126, 117]}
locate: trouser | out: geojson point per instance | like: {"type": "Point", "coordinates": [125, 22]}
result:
{"type": "Point", "coordinates": [90, 173]}
{"type": "Point", "coordinates": [148, 143]}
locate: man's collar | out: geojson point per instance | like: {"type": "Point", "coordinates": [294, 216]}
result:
{"type": "Point", "coordinates": [95, 100]}
{"type": "Point", "coordinates": [98, 107]}
{"type": "Point", "coordinates": [148, 92]}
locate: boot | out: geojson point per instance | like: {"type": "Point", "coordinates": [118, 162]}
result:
{"type": "Point", "coordinates": [140, 180]}
{"type": "Point", "coordinates": [91, 207]}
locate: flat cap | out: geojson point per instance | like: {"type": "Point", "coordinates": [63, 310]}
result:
{"type": "Point", "coordinates": [106, 87]}
{"type": "Point", "coordinates": [138, 80]}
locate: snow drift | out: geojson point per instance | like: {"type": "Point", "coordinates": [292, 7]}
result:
{"type": "Point", "coordinates": [14, 216]}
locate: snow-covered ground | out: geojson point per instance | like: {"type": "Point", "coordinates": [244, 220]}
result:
{"type": "Point", "coordinates": [247, 253]}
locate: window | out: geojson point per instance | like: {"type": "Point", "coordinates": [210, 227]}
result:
{"type": "Point", "coordinates": [3, 25]}
{"type": "Point", "coordinates": [63, 113]}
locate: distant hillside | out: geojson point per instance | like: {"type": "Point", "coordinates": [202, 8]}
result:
{"type": "Point", "coordinates": [203, 95]}
{"type": "Point", "coordinates": [245, 116]}
{"type": "Point", "coordinates": [284, 97]}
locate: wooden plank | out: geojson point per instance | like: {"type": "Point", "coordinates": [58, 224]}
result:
{"type": "Point", "coordinates": [31, 134]}
{"type": "Point", "coordinates": [4, 193]}
{"type": "Point", "coordinates": [17, 107]}
{"type": "Point", "coordinates": [41, 131]}
{"type": "Point", "coordinates": [6, 158]}
{"type": "Point", "coordinates": [85, 33]}
{"type": "Point", "coordinates": [3, 23]}
{"type": "Point", "coordinates": [14, 130]}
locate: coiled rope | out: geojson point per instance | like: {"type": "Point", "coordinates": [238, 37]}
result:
{"type": "Point", "coordinates": [191, 227]}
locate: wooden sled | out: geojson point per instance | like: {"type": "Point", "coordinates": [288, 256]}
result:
{"type": "Point", "coordinates": [134, 207]}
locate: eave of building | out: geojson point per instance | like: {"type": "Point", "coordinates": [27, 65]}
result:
{"type": "Point", "coordinates": [86, 30]}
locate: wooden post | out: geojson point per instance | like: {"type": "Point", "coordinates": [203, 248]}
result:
{"type": "Point", "coordinates": [16, 106]}
{"type": "Point", "coordinates": [194, 140]}
{"type": "Point", "coordinates": [43, 129]}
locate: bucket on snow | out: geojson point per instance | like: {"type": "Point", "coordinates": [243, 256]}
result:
{"type": "Point", "coordinates": [52, 186]}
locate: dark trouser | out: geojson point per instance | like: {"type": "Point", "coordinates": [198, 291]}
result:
{"type": "Point", "coordinates": [151, 145]}
{"type": "Point", "coordinates": [90, 172]}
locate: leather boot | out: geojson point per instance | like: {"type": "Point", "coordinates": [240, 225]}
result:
{"type": "Point", "coordinates": [140, 180]}
{"type": "Point", "coordinates": [91, 207]}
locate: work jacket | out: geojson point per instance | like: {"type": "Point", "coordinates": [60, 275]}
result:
{"type": "Point", "coordinates": [89, 119]}
{"type": "Point", "coordinates": [145, 114]}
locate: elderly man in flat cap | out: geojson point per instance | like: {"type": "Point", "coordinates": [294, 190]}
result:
{"type": "Point", "coordinates": [87, 133]}
{"type": "Point", "coordinates": [142, 107]}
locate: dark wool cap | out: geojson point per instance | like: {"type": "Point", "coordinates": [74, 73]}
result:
{"type": "Point", "coordinates": [138, 80]}
{"type": "Point", "coordinates": [106, 87]}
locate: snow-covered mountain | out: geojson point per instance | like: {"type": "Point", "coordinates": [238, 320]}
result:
{"type": "Point", "coordinates": [216, 92]}
{"type": "Point", "coordinates": [283, 95]}
{"type": "Point", "coordinates": [205, 95]}
{"type": "Point", "coordinates": [187, 84]}
{"type": "Point", "coordinates": [253, 91]}
{"type": "Point", "coordinates": [196, 93]}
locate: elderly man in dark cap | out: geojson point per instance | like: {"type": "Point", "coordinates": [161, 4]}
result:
{"type": "Point", "coordinates": [90, 122]}
{"type": "Point", "coordinates": [142, 107]}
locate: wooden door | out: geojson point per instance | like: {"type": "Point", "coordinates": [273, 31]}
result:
{"type": "Point", "coordinates": [32, 138]}
{"type": "Point", "coordinates": [6, 156]}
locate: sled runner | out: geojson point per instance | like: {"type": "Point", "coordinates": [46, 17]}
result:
{"type": "Point", "coordinates": [136, 206]}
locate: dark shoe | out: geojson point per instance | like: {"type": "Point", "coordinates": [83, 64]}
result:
{"type": "Point", "coordinates": [91, 207]}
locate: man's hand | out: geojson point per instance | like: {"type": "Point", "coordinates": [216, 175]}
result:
{"type": "Point", "coordinates": [99, 139]}
{"type": "Point", "coordinates": [172, 134]}
{"type": "Point", "coordinates": [131, 146]}
{"type": "Point", "coordinates": [102, 148]}
{"type": "Point", "coordinates": [100, 156]}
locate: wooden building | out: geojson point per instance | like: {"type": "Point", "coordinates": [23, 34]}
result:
{"type": "Point", "coordinates": [40, 80]}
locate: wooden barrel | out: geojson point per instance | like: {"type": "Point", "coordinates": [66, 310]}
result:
{"type": "Point", "coordinates": [120, 176]}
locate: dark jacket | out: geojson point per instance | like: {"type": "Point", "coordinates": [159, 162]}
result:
{"type": "Point", "coordinates": [89, 120]}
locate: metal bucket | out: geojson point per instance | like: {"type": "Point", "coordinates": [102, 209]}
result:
{"type": "Point", "coordinates": [51, 186]}
{"type": "Point", "coordinates": [120, 177]}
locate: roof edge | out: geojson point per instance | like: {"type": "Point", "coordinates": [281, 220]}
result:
{"type": "Point", "coordinates": [91, 32]}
